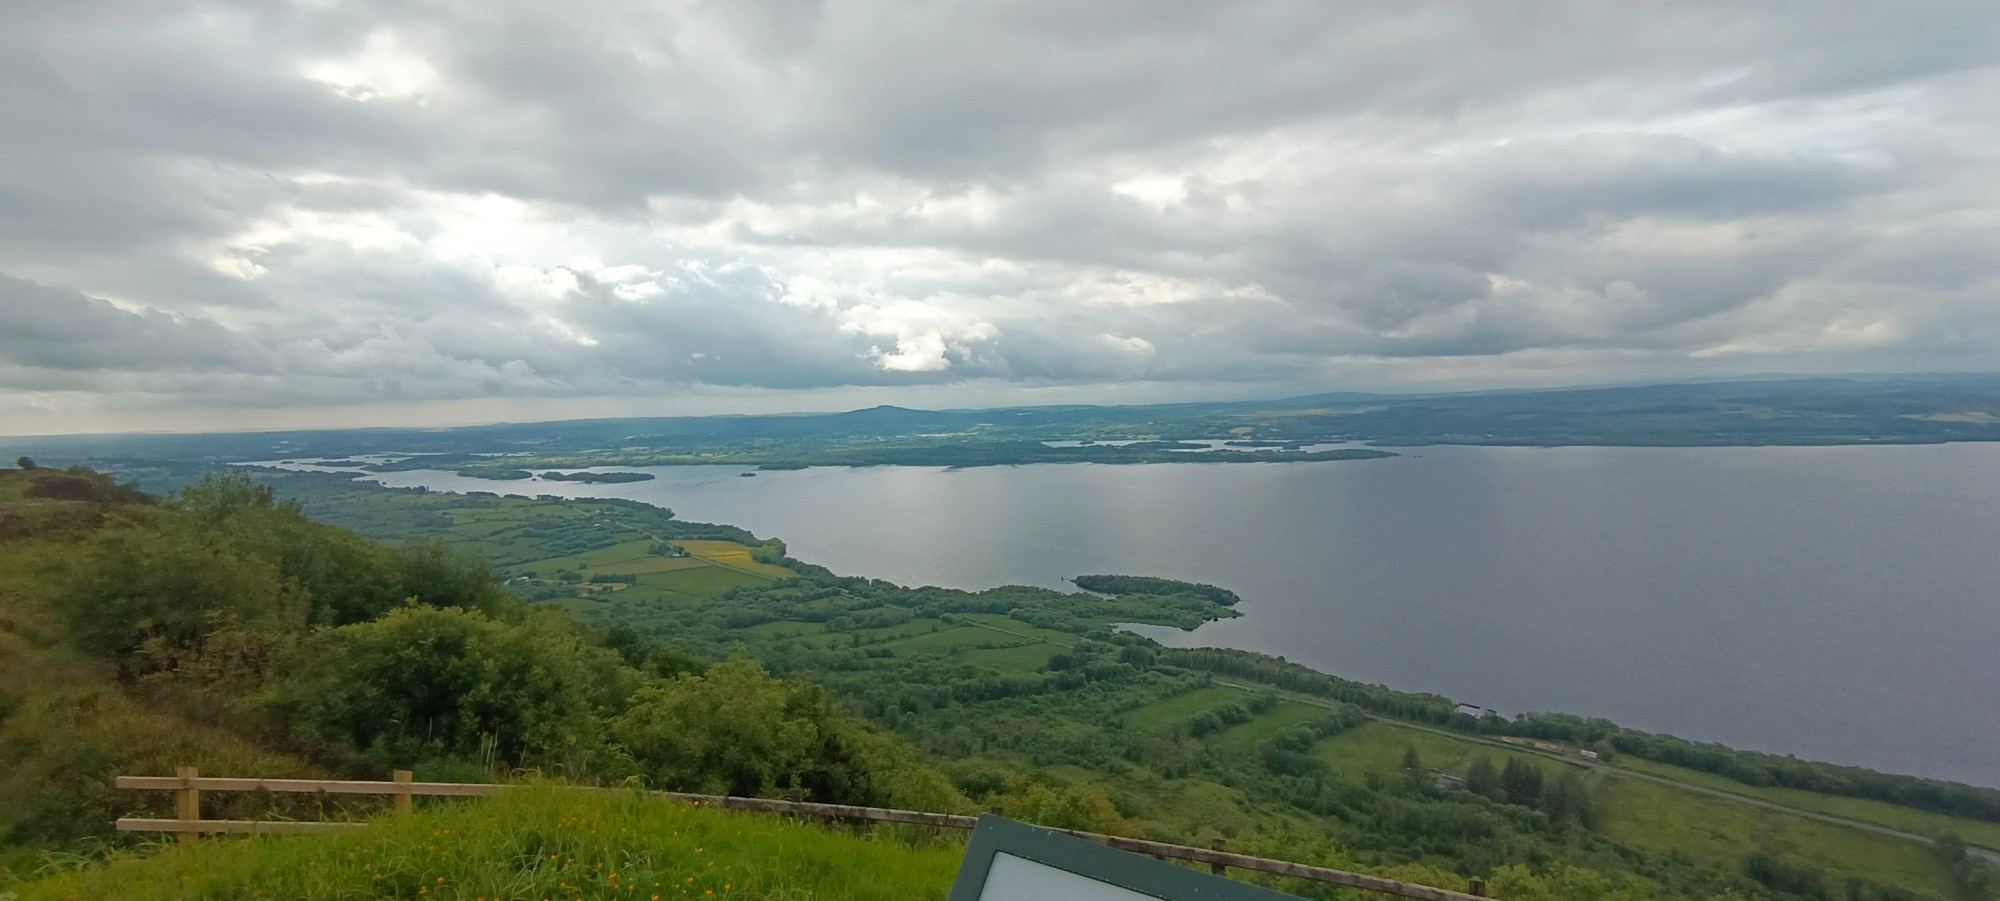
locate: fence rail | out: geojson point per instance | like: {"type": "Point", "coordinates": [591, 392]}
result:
{"type": "Point", "coordinates": [188, 785]}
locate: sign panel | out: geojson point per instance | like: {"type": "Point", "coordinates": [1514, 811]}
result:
{"type": "Point", "coordinates": [1010, 861]}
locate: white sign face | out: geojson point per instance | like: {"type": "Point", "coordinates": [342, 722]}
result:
{"type": "Point", "coordinates": [1020, 879]}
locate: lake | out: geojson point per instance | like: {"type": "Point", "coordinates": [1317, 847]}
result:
{"type": "Point", "coordinates": [1838, 603]}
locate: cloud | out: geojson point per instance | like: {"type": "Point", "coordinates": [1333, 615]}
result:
{"type": "Point", "coordinates": [214, 205]}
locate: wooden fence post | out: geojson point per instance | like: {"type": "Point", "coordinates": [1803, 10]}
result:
{"type": "Point", "coordinates": [1476, 887]}
{"type": "Point", "coordinates": [1218, 845]}
{"type": "Point", "coordinates": [403, 777]}
{"type": "Point", "coordinates": [187, 800]}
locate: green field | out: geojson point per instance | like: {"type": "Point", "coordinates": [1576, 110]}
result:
{"type": "Point", "coordinates": [697, 583]}
{"type": "Point", "coordinates": [1977, 832]}
{"type": "Point", "coordinates": [1658, 817]}
{"type": "Point", "coordinates": [1378, 747]}
{"type": "Point", "coordinates": [1662, 818]}
{"type": "Point", "coordinates": [947, 641]}
{"type": "Point", "coordinates": [604, 558]}
{"type": "Point", "coordinates": [1287, 714]}
{"type": "Point", "coordinates": [785, 629]}
{"type": "Point", "coordinates": [1167, 712]}
{"type": "Point", "coordinates": [1004, 623]}
{"type": "Point", "coordinates": [653, 563]}
{"type": "Point", "coordinates": [1021, 658]}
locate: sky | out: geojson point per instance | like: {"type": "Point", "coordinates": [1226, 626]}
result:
{"type": "Point", "coordinates": [257, 214]}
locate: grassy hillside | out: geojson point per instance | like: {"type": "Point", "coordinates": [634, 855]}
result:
{"type": "Point", "coordinates": [538, 842]}
{"type": "Point", "coordinates": [223, 629]}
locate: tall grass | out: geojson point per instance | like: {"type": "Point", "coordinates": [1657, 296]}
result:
{"type": "Point", "coordinates": [541, 841]}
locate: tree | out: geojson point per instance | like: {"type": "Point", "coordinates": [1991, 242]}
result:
{"type": "Point", "coordinates": [1482, 779]}
{"type": "Point", "coordinates": [1521, 783]}
{"type": "Point", "coordinates": [25, 462]}
{"type": "Point", "coordinates": [1566, 800]}
{"type": "Point", "coordinates": [1412, 762]}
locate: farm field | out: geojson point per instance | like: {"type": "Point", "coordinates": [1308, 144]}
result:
{"type": "Point", "coordinates": [1020, 658]}
{"type": "Point", "coordinates": [1921, 822]}
{"type": "Point", "coordinates": [1661, 818]}
{"type": "Point", "coordinates": [1164, 713]}
{"type": "Point", "coordinates": [1244, 737]}
{"type": "Point", "coordinates": [947, 641]}
{"type": "Point", "coordinates": [1651, 815]}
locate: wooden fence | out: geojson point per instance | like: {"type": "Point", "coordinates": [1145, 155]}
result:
{"type": "Point", "coordinates": [187, 785]}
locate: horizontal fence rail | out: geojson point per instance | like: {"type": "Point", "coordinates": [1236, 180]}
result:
{"type": "Point", "coordinates": [189, 784]}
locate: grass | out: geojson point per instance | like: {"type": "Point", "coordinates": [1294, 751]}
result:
{"type": "Point", "coordinates": [1896, 817]}
{"type": "Point", "coordinates": [1286, 715]}
{"type": "Point", "coordinates": [1003, 622]}
{"type": "Point", "coordinates": [652, 563]}
{"type": "Point", "coordinates": [693, 584]}
{"type": "Point", "coordinates": [1027, 658]}
{"type": "Point", "coordinates": [881, 634]}
{"type": "Point", "coordinates": [1660, 818]}
{"type": "Point", "coordinates": [1166, 712]}
{"type": "Point", "coordinates": [784, 629]}
{"type": "Point", "coordinates": [538, 842]}
{"type": "Point", "coordinates": [732, 554]}
{"type": "Point", "coordinates": [946, 641]}
{"type": "Point", "coordinates": [604, 558]}
{"type": "Point", "coordinates": [1378, 747]}
{"type": "Point", "coordinates": [472, 528]}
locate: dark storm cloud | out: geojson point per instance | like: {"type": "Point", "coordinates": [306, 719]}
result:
{"type": "Point", "coordinates": [270, 204]}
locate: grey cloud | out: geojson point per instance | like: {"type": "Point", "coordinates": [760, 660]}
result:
{"type": "Point", "coordinates": [962, 190]}
{"type": "Point", "coordinates": [49, 328]}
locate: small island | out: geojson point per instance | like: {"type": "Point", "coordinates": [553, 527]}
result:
{"type": "Point", "coordinates": [596, 478]}
{"type": "Point", "coordinates": [497, 475]}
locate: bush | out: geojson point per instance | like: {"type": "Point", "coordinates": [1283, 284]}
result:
{"type": "Point", "coordinates": [423, 683]}
{"type": "Point", "coordinates": [145, 597]}
{"type": "Point", "coordinates": [736, 730]}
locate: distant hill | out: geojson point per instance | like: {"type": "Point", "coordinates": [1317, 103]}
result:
{"type": "Point", "coordinates": [1900, 410]}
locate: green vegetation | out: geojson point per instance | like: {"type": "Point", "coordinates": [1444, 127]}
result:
{"type": "Point", "coordinates": [598, 478]}
{"type": "Point", "coordinates": [612, 643]}
{"type": "Point", "coordinates": [1155, 586]}
{"type": "Point", "coordinates": [534, 842]}
{"type": "Point", "coordinates": [223, 628]}
{"type": "Point", "coordinates": [1984, 834]}
{"type": "Point", "coordinates": [1756, 769]}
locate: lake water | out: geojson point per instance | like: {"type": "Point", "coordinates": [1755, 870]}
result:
{"type": "Point", "coordinates": [1837, 603]}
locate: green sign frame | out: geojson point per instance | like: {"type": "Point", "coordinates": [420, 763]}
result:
{"type": "Point", "coordinates": [1122, 869]}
